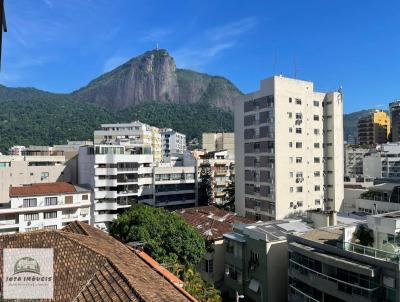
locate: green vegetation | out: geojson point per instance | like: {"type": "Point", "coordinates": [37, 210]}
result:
{"type": "Point", "coordinates": [169, 240]}
{"type": "Point", "coordinates": [363, 235]}
{"type": "Point", "coordinates": [54, 119]}
{"type": "Point", "coordinates": [230, 196]}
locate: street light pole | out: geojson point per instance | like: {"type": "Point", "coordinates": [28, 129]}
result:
{"type": "Point", "coordinates": [238, 296]}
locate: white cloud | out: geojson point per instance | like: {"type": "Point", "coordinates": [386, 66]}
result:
{"type": "Point", "coordinates": [232, 30]}
{"type": "Point", "coordinates": [156, 34]}
{"type": "Point", "coordinates": [113, 62]}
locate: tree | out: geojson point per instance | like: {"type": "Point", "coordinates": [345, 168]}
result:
{"type": "Point", "coordinates": [364, 235]}
{"type": "Point", "coordinates": [229, 205]}
{"type": "Point", "coordinates": [205, 185]}
{"type": "Point", "coordinates": [166, 236]}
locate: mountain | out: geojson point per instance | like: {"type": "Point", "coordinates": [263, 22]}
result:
{"type": "Point", "coordinates": [153, 77]}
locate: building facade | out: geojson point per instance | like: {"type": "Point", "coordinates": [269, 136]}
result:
{"type": "Point", "coordinates": [132, 134]}
{"type": "Point", "coordinates": [289, 149]}
{"type": "Point", "coordinates": [383, 161]}
{"type": "Point", "coordinates": [394, 109]}
{"type": "Point", "coordinates": [219, 141]}
{"type": "Point", "coordinates": [118, 175]}
{"type": "Point", "coordinates": [353, 161]}
{"type": "Point", "coordinates": [44, 206]}
{"type": "Point", "coordinates": [374, 128]}
{"type": "Point", "coordinates": [173, 142]}
{"type": "Point", "coordinates": [331, 264]}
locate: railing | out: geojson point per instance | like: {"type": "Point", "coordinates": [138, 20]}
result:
{"type": "Point", "coordinates": [370, 252]}
{"type": "Point", "coordinates": [300, 296]}
{"type": "Point", "coordinates": [342, 286]}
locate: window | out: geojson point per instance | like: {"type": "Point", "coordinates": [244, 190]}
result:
{"type": "Point", "coordinates": [290, 144]}
{"type": "Point", "coordinates": [50, 215]}
{"type": "Point", "coordinates": [291, 174]}
{"type": "Point", "coordinates": [69, 199]}
{"type": "Point", "coordinates": [289, 114]}
{"type": "Point", "coordinates": [299, 160]}
{"type": "Point", "coordinates": [317, 188]}
{"type": "Point", "coordinates": [50, 227]}
{"type": "Point", "coordinates": [299, 145]}
{"type": "Point", "coordinates": [50, 201]}
{"type": "Point", "coordinates": [317, 202]}
{"type": "Point", "coordinates": [30, 217]}
{"type": "Point", "coordinates": [298, 130]}
{"type": "Point", "coordinates": [317, 173]}
{"type": "Point", "coordinates": [254, 257]}
{"type": "Point", "coordinates": [299, 189]}
{"type": "Point", "coordinates": [299, 203]}
{"type": "Point", "coordinates": [316, 131]}
{"type": "Point", "coordinates": [299, 116]}
{"type": "Point", "coordinates": [317, 160]}
{"type": "Point", "coordinates": [290, 129]}
{"type": "Point", "coordinates": [316, 117]}
{"type": "Point", "coordinates": [85, 197]}
{"type": "Point", "coordinates": [291, 189]}
{"type": "Point", "coordinates": [233, 273]}
{"type": "Point", "coordinates": [316, 145]}
{"type": "Point", "coordinates": [44, 175]}
{"type": "Point", "coordinates": [298, 101]}
{"type": "Point", "coordinates": [30, 202]}
{"type": "Point", "coordinates": [290, 100]}
{"type": "Point", "coordinates": [316, 104]}
{"type": "Point", "coordinates": [209, 266]}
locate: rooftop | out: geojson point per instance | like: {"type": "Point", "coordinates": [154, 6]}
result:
{"type": "Point", "coordinates": [325, 236]}
{"type": "Point", "coordinates": [210, 221]}
{"type": "Point", "coordinates": [88, 268]}
{"type": "Point", "coordinates": [39, 189]}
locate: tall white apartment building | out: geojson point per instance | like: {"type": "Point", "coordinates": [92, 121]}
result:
{"type": "Point", "coordinates": [33, 166]}
{"type": "Point", "coordinates": [119, 176]}
{"type": "Point", "coordinates": [289, 149]}
{"type": "Point", "coordinates": [353, 161]}
{"type": "Point", "coordinates": [132, 134]}
{"type": "Point", "coordinates": [44, 206]}
{"type": "Point", "coordinates": [173, 142]}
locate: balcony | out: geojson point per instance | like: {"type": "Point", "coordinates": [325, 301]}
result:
{"type": "Point", "coordinates": [296, 295]}
{"type": "Point", "coordinates": [105, 182]}
{"type": "Point", "coordinates": [105, 194]}
{"type": "Point", "coordinates": [371, 252]}
{"type": "Point", "coordinates": [101, 206]}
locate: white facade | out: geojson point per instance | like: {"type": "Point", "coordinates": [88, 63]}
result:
{"type": "Point", "coordinates": [353, 161]}
{"type": "Point", "coordinates": [219, 141]}
{"type": "Point", "coordinates": [173, 142]}
{"type": "Point", "coordinates": [117, 177]}
{"type": "Point", "coordinates": [132, 134]}
{"type": "Point", "coordinates": [33, 167]}
{"type": "Point", "coordinates": [47, 210]}
{"type": "Point", "coordinates": [384, 161]}
{"type": "Point", "coordinates": [289, 149]}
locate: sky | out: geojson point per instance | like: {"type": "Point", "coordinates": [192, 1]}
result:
{"type": "Point", "coordinates": [60, 45]}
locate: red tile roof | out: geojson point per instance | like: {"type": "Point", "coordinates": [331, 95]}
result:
{"type": "Point", "coordinates": [211, 222]}
{"type": "Point", "coordinates": [42, 189]}
{"type": "Point", "coordinates": [91, 266]}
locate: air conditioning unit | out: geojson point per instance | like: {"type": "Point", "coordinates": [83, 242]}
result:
{"type": "Point", "coordinates": [29, 223]}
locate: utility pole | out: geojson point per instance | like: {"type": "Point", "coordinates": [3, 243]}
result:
{"type": "Point", "coordinates": [239, 296]}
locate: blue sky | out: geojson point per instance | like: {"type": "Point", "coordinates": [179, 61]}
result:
{"type": "Point", "coordinates": [60, 45]}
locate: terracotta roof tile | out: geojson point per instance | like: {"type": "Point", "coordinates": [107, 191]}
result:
{"type": "Point", "coordinates": [211, 222]}
{"type": "Point", "coordinates": [42, 189]}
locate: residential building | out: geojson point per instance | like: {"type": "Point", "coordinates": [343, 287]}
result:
{"type": "Point", "coordinates": [379, 198]}
{"type": "Point", "coordinates": [394, 109]}
{"type": "Point", "coordinates": [256, 259]}
{"type": "Point", "coordinates": [212, 223]}
{"type": "Point", "coordinates": [331, 264]}
{"type": "Point", "coordinates": [17, 150]}
{"type": "Point", "coordinates": [33, 166]}
{"type": "Point", "coordinates": [173, 142]}
{"type": "Point", "coordinates": [374, 128]}
{"type": "Point", "coordinates": [353, 161]}
{"type": "Point", "coordinates": [174, 186]}
{"type": "Point", "coordinates": [219, 141]}
{"type": "Point", "coordinates": [44, 206]}
{"type": "Point", "coordinates": [118, 175]}
{"type": "Point", "coordinates": [289, 150]}
{"type": "Point", "coordinates": [89, 265]}
{"type": "Point", "coordinates": [222, 173]}
{"type": "Point", "coordinates": [131, 134]}
{"type": "Point", "coordinates": [352, 140]}
{"type": "Point", "coordinates": [383, 161]}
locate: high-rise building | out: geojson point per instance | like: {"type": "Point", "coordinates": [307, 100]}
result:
{"type": "Point", "coordinates": [132, 134]}
{"type": "Point", "coordinates": [374, 128]}
{"type": "Point", "coordinates": [382, 161]}
{"type": "Point", "coordinates": [219, 141]}
{"type": "Point", "coordinates": [289, 149]}
{"type": "Point", "coordinates": [353, 160]}
{"type": "Point", "coordinates": [394, 109]}
{"type": "Point", "coordinates": [173, 142]}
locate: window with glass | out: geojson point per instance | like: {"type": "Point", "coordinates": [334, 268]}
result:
{"type": "Point", "coordinates": [50, 201]}
{"type": "Point", "coordinates": [50, 215]}
{"type": "Point", "coordinates": [31, 217]}
{"type": "Point", "coordinates": [29, 202]}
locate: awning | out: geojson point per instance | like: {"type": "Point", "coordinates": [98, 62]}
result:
{"type": "Point", "coordinates": [254, 285]}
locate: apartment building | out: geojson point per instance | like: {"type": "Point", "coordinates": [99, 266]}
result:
{"type": "Point", "coordinates": [379, 198]}
{"type": "Point", "coordinates": [374, 128]}
{"type": "Point", "coordinates": [353, 160]}
{"type": "Point", "coordinates": [383, 161]}
{"type": "Point", "coordinates": [394, 111]}
{"type": "Point", "coordinates": [119, 175]}
{"type": "Point", "coordinates": [173, 142]}
{"type": "Point", "coordinates": [256, 259]}
{"type": "Point", "coordinates": [174, 186]}
{"type": "Point", "coordinates": [133, 134]}
{"type": "Point", "coordinates": [222, 173]}
{"type": "Point", "coordinates": [44, 206]}
{"type": "Point", "coordinates": [289, 149]}
{"type": "Point", "coordinates": [334, 264]}
{"type": "Point", "coordinates": [219, 141]}
{"type": "Point", "coordinates": [33, 166]}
